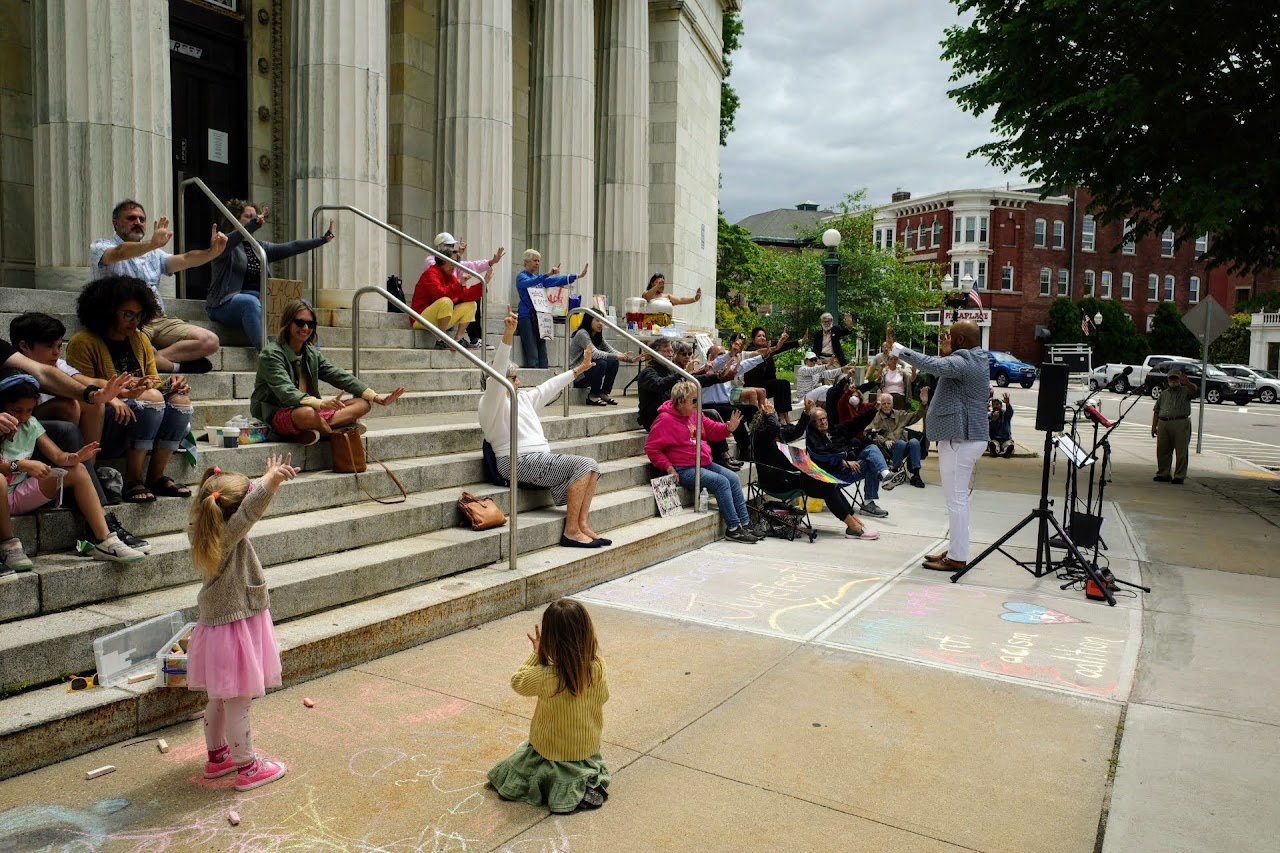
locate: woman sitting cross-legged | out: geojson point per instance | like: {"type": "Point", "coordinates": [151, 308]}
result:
{"type": "Point", "coordinates": [156, 415]}
{"type": "Point", "coordinates": [670, 449]}
{"type": "Point", "coordinates": [590, 336]}
{"type": "Point", "coordinates": [571, 479]}
{"type": "Point", "coordinates": [286, 391]}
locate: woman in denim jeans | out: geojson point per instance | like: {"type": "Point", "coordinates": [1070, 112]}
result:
{"type": "Point", "coordinates": [153, 417]}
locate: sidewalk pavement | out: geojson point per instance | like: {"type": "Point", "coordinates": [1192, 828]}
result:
{"type": "Point", "coordinates": [795, 696]}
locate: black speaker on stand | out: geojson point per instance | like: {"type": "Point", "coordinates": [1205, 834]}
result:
{"type": "Point", "coordinates": [1050, 418]}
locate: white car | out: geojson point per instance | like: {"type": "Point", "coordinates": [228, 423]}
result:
{"type": "Point", "coordinates": [1268, 386]}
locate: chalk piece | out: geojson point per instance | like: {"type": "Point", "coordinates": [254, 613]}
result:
{"type": "Point", "coordinates": [233, 817]}
{"type": "Point", "coordinates": [310, 703]}
{"type": "Point", "coordinates": [196, 716]}
{"type": "Point", "coordinates": [142, 676]}
{"type": "Point", "coordinates": [101, 771]}
{"type": "Point", "coordinates": [162, 745]}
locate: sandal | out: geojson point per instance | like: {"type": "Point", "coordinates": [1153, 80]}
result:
{"type": "Point", "coordinates": [137, 493]}
{"type": "Point", "coordinates": [595, 401]}
{"type": "Point", "coordinates": [165, 487]}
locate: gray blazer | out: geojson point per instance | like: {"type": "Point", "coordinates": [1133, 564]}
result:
{"type": "Point", "coordinates": [229, 268]}
{"type": "Point", "coordinates": [958, 405]}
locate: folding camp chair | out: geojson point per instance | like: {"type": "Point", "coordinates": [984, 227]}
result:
{"type": "Point", "coordinates": [783, 512]}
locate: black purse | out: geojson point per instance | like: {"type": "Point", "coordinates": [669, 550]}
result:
{"type": "Point", "coordinates": [395, 286]}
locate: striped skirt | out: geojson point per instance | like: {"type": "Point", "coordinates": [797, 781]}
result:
{"type": "Point", "coordinates": [551, 471]}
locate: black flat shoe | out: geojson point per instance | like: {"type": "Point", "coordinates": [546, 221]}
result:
{"type": "Point", "coordinates": [566, 542]}
{"type": "Point", "coordinates": [601, 542]}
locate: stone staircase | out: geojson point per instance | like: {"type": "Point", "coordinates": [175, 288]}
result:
{"type": "Point", "coordinates": [351, 580]}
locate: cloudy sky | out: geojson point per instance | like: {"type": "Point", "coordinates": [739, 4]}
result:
{"type": "Point", "coordinates": [843, 94]}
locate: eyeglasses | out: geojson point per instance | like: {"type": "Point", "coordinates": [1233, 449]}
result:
{"type": "Point", "coordinates": [82, 682]}
{"type": "Point", "coordinates": [304, 324]}
{"type": "Point", "coordinates": [129, 316]}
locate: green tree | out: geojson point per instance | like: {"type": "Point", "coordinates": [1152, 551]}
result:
{"type": "Point", "coordinates": [1232, 346]}
{"type": "Point", "coordinates": [1169, 335]}
{"type": "Point", "coordinates": [1164, 109]}
{"type": "Point", "coordinates": [1268, 302]}
{"type": "Point", "coordinates": [731, 39]}
{"type": "Point", "coordinates": [738, 259]}
{"type": "Point", "coordinates": [1114, 341]}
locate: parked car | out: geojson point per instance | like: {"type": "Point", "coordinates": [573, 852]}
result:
{"type": "Point", "coordinates": [1267, 386]}
{"type": "Point", "coordinates": [1112, 375]}
{"type": "Point", "coordinates": [1219, 387]}
{"type": "Point", "coordinates": [1007, 367]}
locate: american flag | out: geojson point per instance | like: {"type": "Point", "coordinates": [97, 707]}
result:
{"type": "Point", "coordinates": [973, 298]}
{"type": "Point", "coordinates": [1086, 325]}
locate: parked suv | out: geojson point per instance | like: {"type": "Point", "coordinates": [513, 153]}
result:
{"type": "Point", "coordinates": [1267, 385]}
{"type": "Point", "coordinates": [1007, 367]}
{"type": "Point", "coordinates": [1219, 387]}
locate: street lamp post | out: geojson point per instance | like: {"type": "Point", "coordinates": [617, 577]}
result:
{"type": "Point", "coordinates": [956, 298]}
{"type": "Point", "coordinates": [831, 266]}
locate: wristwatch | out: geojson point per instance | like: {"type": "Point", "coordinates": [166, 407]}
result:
{"type": "Point", "coordinates": [13, 467]}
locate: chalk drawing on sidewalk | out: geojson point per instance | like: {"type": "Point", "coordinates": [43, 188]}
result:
{"type": "Point", "coordinates": [1035, 614]}
{"type": "Point", "coordinates": [752, 594]}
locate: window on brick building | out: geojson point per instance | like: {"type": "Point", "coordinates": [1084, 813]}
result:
{"type": "Point", "coordinates": [1106, 284]}
{"type": "Point", "coordinates": [970, 229]}
{"type": "Point", "coordinates": [1153, 287]}
{"type": "Point", "coordinates": [920, 235]}
{"type": "Point", "coordinates": [1193, 289]}
{"type": "Point", "coordinates": [1041, 225]}
{"type": "Point", "coordinates": [909, 238]}
{"type": "Point", "coordinates": [1088, 282]}
{"type": "Point", "coordinates": [1202, 244]}
{"type": "Point", "coordinates": [1064, 283]}
{"type": "Point", "coordinates": [1059, 233]}
{"type": "Point", "coordinates": [937, 233]}
{"type": "Point", "coordinates": [879, 238]}
{"type": "Point", "coordinates": [1168, 288]}
{"type": "Point", "coordinates": [1126, 286]}
{"type": "Point", "coordinates": [1006, 278]}
{"type": "Point", "coordinates": [983, 223]}
{"type": "Point", "coordinates": [1046, 281]}
{"type": "Point", "coordinates": [889, 241]}
{"type": "Point", "coordinates": [982, 275]}
{"type": "Point", "coordinates": [1088, 231]}
{"type": "Point", "coordinates": [1166, 243]}
{"type": "Point", "coordinates": [1151, 322]}
{"type": "Point", "coordinates": [1129, 246]}
{"type": "Point", "coordinates": [957, 223]}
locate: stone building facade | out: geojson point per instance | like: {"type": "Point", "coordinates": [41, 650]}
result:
{"type": "Point", "coordinates": [587, 129]}
{"type": "Point", "coordinates": [1024, 252]}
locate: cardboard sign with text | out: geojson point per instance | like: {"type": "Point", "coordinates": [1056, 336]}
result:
{"type": "Point", "coordinates": [280, 292]}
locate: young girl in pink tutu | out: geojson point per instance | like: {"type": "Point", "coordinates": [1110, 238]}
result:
{"type": "Point", "coordinates": [233, 655]}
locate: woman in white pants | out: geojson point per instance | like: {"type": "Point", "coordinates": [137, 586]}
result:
{"type": "Point", "coordinates": [958, 422]}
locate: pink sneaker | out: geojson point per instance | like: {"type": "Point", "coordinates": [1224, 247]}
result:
{"type": "Point", "coordinates": [257, 773]}
{"type": "Point", "coordinates": [220, 763]}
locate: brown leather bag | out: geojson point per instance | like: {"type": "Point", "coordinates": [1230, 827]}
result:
{"type": "Point", "coordinates": [349, 452]}
{"type": "Point", "coordinates": [483, 513]}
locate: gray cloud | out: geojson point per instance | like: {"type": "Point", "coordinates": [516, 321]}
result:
{"type": "Point", "coordinates": [836, 96]}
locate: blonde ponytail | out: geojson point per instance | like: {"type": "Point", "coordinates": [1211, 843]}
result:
{"type": "Point", "coordinates": [217, 498]}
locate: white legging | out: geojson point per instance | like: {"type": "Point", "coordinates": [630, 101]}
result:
{"type": "Point", "coordinates": [226, 721]}
{"type": "Point", "coordinates": [955, 462]}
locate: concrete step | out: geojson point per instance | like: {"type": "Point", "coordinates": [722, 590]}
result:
{"type": "Point", "coordinates": [380, 548]}
{"type": "Point", "coordinates": [48, 725]}
{"type": "Point", "coordinates": [214, 412]}
{"type": "Point", "coordinates": [221, 385]}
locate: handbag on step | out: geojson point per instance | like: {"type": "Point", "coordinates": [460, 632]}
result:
{"type": "Point", "coordinates": [349, 452]}
{"type": "Point", "coordinates": [483, 513]}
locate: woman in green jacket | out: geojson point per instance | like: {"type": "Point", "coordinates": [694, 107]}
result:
{"type": "Point", "coordinates": [286, 392]}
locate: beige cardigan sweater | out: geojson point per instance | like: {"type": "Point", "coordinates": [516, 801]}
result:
{"type": "Point", "coordinates": [240, 588]}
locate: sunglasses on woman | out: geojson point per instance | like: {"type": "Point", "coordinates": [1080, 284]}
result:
{"type": "Point", "coordinates": [304, 324]}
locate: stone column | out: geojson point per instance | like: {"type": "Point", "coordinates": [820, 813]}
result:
{"type": "Point", "coordinates": [339, 152]}
{"type": "Point", "coordinates": [562, 183]}
{"type": "Point", "coordinates": [473, 132]}
{"type": "Point", "coordinates": [622, 160]}
{"type": "Point", "coordinates": [103, 126]}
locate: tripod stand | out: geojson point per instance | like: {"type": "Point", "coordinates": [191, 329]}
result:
{"type": "Point", "coordinates": [1043, 515]}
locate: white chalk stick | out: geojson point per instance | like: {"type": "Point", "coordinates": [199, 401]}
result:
{"type": "Point", "coordinates": [101, 771]}
{"type": "Point", "coordinates": [162, 745]}
{"type": "Point", "coordinates": [310, 703]}
{"type": "Point", "coordinates": [142, 676]}
{"type": "Point", "coordinates": [233, 817]}
{"type": "Point", "coordinates": [196, 716]}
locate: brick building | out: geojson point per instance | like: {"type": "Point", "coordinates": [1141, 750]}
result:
{"type": "Point", "coordinates": [1024, 252]}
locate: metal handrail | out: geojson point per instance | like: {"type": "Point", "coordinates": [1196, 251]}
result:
{"type": "Point", "coordinates": [697, 461]}
{"type": "Point", "coordinates": [235, 223]}
{"type": "Point", "coordinates": [512, 540]}
{"type": "Point", "coordinates": [391, 229]}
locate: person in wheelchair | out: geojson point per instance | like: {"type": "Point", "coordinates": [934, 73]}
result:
{"type": "Point", "coordinates": [835, 455]}
{"type": "Point", "coordinates": [775, 474]}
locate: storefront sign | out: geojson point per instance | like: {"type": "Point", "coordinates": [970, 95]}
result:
{"type": "Point", "coordinates": [937, 318]}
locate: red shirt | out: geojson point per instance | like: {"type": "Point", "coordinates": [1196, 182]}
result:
{"type": "Point", "coordinates": [435, 284]}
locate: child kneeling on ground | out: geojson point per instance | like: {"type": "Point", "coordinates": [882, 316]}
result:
{"type": "Point", "coordinates": [33, 484]}
{"type": "Point", "coordinates": [560, 765]}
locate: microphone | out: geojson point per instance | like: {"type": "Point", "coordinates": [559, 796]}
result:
{"type": "Point", "coordinates": [1093, 413]}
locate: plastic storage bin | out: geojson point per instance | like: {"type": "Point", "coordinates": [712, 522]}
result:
{"type": "Point", "coordinates": [132, 651]}
{"type": "Point", "coordinates": [171, 666]}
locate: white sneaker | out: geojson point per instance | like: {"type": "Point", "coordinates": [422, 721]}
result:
{"type": "Point", "coordinates": [113, 550]}
{"type": "Point", "coordinates": [13, 556]}
{"type": "Point", "coordinates": [894, 479]}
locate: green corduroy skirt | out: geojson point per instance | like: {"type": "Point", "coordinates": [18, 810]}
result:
{"type": "Point", "coordinates": [527, 777]}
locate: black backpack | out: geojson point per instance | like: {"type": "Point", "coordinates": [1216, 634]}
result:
{"type": "Point", "coordinates": [395, 286]}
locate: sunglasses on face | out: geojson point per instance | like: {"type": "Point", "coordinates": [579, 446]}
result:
{"type": "Point", "coordinates": [81, 682]}
{"type": "Point", "coordinates": [304, 324]}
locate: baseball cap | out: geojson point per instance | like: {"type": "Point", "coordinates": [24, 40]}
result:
{"type": "Point", "coordinates": [809, 355]}
{"type": "Point", "coordinates": [444, 238]}
{"type": "Point", "coordinates": [1178, 371]}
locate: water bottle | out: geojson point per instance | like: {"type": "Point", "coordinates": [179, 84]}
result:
{"type": "Point", "coordinates": [703, 499]}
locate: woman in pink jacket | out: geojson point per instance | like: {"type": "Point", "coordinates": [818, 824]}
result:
{"type": "Point", "coordinates": [671, 449]}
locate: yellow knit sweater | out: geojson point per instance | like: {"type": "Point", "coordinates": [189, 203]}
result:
{"type": "Point", "coordinates": [565, 727]}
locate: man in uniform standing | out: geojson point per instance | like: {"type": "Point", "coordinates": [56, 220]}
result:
{"type": "Point", "coordinates": [1171, 427]}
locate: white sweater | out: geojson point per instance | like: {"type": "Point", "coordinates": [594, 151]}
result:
{"type": "Point", "coordinates": [495, 409]}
